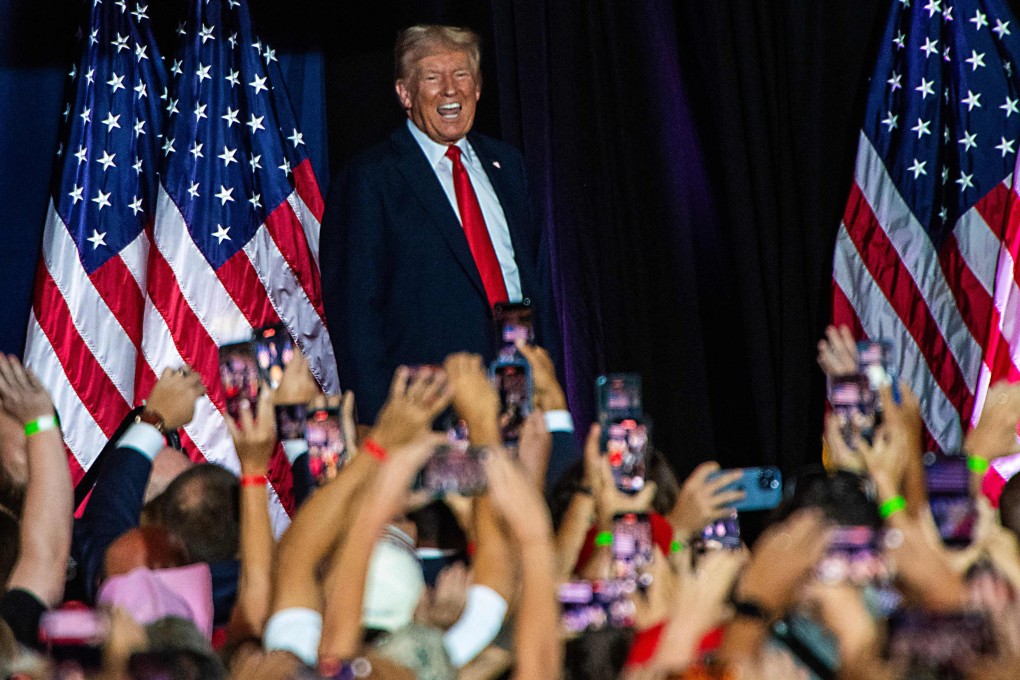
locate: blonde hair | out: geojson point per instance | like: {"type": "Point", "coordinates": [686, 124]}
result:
{"type": "Point", "coordinates": [417, 42]}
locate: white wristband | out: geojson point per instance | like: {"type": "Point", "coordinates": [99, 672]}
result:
{"type": "Point", "coordinates": [296, 630]}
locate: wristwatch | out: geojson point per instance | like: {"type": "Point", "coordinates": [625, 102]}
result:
{"type": "Point", "coordinates": [150, 417]}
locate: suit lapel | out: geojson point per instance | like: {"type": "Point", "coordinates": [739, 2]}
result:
{"type": "Point", "coordinates": [415, 169]}
{"type": "Point", "coordinates": [511, 202]}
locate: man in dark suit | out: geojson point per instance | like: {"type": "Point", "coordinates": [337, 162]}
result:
{"type": "Point", "coordinates": [426, 231]}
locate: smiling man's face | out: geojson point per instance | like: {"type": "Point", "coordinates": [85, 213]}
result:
{"type": "Point", "coordinates": [440, 95]}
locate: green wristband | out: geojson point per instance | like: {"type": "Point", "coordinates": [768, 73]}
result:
{"type": "Point", "coordinates": [892, 506]}
{"type": "Point", "coordinates": [977, 465]}
{"type": "Point", "coordinates": [603, 538]}
{"type": "Point", "coordinates": [40, 424]}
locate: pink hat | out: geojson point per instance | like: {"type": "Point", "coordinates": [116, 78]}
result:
{"type": "Point", "coordinates": [152, 594]}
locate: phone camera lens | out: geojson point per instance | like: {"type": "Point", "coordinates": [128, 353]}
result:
{"type": "Point", "coordinates": [767, 480]}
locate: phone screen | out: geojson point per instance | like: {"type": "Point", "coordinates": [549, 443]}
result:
{"type": "Point", "coordinates": [854, 556]}
{"type": "Point", "coordinates": [326, 450]}
{"type": "Point", "coordinates": [239, 375]}
{"type": "Point", "coordinates": [853, 401]}
{"type": "Point", "coordinates": [619, 396]}
{"type": "Point", "coordinates": [515, 322]}
{"type": "Point", "coordinates": [595, 605]}
{"type": "Point", "coordinates": [952, 506]}
{"type": "Point", "coordinates": [722, 534]}
{"type": "Point", "coordinates": [454, 468]}
{"type": "Point", "coordinates": [938, 645]}
{"type": "Point", "coordinates": [74, 638]}
{"type": "Point", "coordinates": [873, 361]}
{"type": "Point", "coordinates": [512, 380]}
{"type": "Point", "coordinates": [632, 549]}
{"type": "Point", "coordinates": [626, 445]}
{"type": "Point", "coordinates": [274, 349]}
{"type": "Point", "coordinates": [290, 421]}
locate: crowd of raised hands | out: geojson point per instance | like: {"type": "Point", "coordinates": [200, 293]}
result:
{"type": "Point", "coordinates": [179, 572]}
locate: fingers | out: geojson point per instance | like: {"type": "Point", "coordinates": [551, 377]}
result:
{"type": "Point", "coordinates": [715, 485]}
{"type": "Point", "coordinates": [399, 384]}
{"type": "Point", "coordinates": [348, 425]}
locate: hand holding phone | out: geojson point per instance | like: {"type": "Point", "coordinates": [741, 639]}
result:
{"type": "Point", "coordinates": [239, 375]}
{"type": "Point", "coordinates": [632, 549]}
{"type": "Point", "coordinates": [952, 507]}
{"type": "Point", "coordinates": [512, 380]}
{"type": "Point", "coordinates": [854, 556]}
{"type": "Point", "coordinates": [274, 350]}
{"type": "Point", "coordinates": [327, 451]}
{"type": "Point", "coordinates": [454, 468]}
{"type": "Point", "coordinates": [762, 487]}
{"type": "Point", "coordinates": [854, 403]}
{"type": "Point", "coordinates": [514, 322]}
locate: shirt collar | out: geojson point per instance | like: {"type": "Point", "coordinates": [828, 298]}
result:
{"type": "Point", "coordinates": [434, 151]}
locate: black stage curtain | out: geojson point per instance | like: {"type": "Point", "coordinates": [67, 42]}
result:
{"type": "Point", "coordinates": [693, 159]}
{"type": "Point", "coordinates": [690, 160]}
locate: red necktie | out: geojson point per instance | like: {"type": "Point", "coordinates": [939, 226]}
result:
{"type": "Point", "coordinates": [477, 233]}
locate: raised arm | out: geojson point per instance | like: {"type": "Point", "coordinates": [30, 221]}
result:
{"type": "Point", "coordinates": [45, 537]}
{"type": "Point", "coordinates": [254, 441]}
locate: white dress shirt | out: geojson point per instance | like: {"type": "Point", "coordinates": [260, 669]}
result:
{"type": "Point", "coordinates": [492, 211]}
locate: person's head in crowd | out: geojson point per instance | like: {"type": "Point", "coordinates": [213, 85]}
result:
{"type": "Point", "coordinates": [597, 655]}
{"type": "Point", "coordinates": [841, 496]}
{"type": "Point", "coordinates": [151, 547]}
{"type": "Point", "coordinates": [202, 507]}
{"type": "Point", "coordinates": [657, 470]}
{"type": "Point", "coordinates": [438, 79]}
{"type": "Point", "coordinates": [1009, 505]}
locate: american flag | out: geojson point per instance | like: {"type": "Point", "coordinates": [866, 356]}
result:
{"type": "Point", "coordinates": [233, 229]}
{"type": "Point", "coordinates": [924, 255]}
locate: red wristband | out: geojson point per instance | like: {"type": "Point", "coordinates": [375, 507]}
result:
{"type": "Point", "coordinates": [253, 480]}
{"type": "Point", "coordinates": [375, 450]}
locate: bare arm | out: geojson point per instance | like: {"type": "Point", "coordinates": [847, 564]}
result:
{"type": "Point", "coordinates": [254, 441]}
{"type": "Point", "coordinates": [537, 645]}
{"type": "Point", "coordinates": [45, 539]}
{"type": "Point", "coordinates": [341, 625]}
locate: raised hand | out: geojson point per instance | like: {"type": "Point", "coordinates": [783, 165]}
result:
{"type": "Point", "coordinates": [21, 393]}
{"type": "Point", "coordinates": [837, 352]}
{"type": "Point", "coordinates": [701, 500]}
{"type": "Point", "coordinates": [995, 433]}
{"type": "Point", "coordinates": [474, 397]}
{"type": "Point", "coordinates": [254, 438]}
{"type": "Point", "coordinates": [548, 393]}
{"type": "Point", "coordinates": [173, 397]}
{"type": "Point", "coordinates": [413, 404]}
{"type": "Point", "coordinates": [297, 386]}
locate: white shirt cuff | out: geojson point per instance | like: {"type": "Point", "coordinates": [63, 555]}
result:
{"type": "Point", "coordinates": [294, 448]}
{"type": "Point", "coordinates": [559, 421]}
{"type": "Point", "coordinates": [143, 438]}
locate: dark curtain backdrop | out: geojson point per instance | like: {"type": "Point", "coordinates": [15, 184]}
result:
{"type": "Point", "coordinates": [690, 161]}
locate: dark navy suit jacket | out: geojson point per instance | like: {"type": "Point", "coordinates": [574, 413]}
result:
{"type": "Point", "coordinates": [399, 283]}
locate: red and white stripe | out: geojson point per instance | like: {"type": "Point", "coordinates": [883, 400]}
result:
{"type": "Point", "coordinates": [82, 346]}
{"type": "Point", "coordinates": [192, 309]}
{"type": "Point", "coordinates": [955, 313]}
